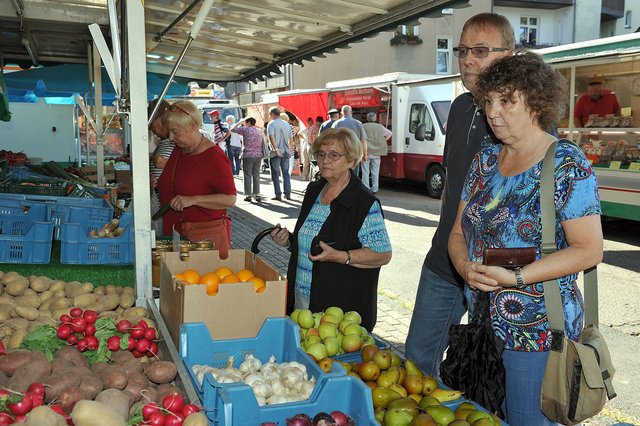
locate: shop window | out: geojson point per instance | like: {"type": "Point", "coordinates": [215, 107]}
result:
{"type": "Point", "coordinates": [443, 55]}
{"type": "Point", "coordinates": [528, 31]}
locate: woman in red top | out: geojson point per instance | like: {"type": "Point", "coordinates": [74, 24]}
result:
{"type": "Point", "coordinates": [197, 179]}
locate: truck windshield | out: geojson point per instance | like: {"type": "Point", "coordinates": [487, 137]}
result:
{"type": "Point", "coordinates": [206, 118]}
{"type": "Point", "coordinates": [441, 108]}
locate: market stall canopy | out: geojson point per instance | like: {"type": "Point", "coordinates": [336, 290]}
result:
{"type": "Point", "coordinates": [240, 40]}
{"type": "Point", "coordinates": [47, 81]}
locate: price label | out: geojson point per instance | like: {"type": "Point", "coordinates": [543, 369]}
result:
{"type": "Point", "coordinates": [615, 165]}
{"type": "Point", "coordinates": [634, 166]}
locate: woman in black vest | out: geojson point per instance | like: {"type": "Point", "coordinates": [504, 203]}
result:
{"type": "Point", "coordinates": [352, 240]}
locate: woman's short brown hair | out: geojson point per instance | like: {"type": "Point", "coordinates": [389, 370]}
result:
{"type": "Point", "coordinates": [345, 137]}
{"type": "Point", "coordinates": [543, 88]}
{"type": "Point", "coordinates": [182, 114]}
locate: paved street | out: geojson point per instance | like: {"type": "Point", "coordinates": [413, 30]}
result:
{"type": "Point", "coordinates": [412, 218]}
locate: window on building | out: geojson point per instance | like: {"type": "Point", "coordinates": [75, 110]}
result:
{"type": "Point", "coordinates": [528, 30]}
{"type": "Point", "coordinates": [443, 55]}
{"type": "Point", "coordinates": [627, 19]}
{"type": "Point", "coordinates": [407, 30]}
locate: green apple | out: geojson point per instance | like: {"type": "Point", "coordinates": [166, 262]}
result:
{"type": "Point", "coordinates": [353, 316]}
{"type": "Point", "coordinates": [294, 315]}
{"type": "Point", "coordinates": [332, 344]}
{"type": "Point", "coordinates": [335, 311]}
{"type": "Point", "coordinates": [305, 319]}
{"type": "Point", "coordinates": [318, 351]}
{"type": "Point", "coordinates": [353, 329]}
{"type": "Point", "coordinates": [351, 343]}
{"type": "Point", "coordinates": [330, 318]}
{"type": "Point", "coordinates": [327, 330]}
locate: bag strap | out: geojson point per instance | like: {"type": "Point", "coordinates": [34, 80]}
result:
{"type": "Point", "coordinates": [552, 298]}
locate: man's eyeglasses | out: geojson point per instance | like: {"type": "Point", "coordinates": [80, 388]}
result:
{"type": "Point", "coordinates": [331, 155]}
{"type": "Point", "coordinates": [478, 52]}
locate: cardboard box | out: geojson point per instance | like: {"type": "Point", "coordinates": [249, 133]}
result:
{"type": "Point", "coordinates": [236, 312]}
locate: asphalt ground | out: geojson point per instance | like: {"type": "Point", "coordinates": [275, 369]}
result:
{"type": "Point", "coordinates": [394, 313]}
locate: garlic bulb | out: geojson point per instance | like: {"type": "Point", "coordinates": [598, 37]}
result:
{"type": "Point", "coordinates": [253, 379]}
{"type": "Point", "coordinates": [291, 375]}
{"type": "Point", "coordinates": [262, 390]}
{"type": "Point", "coordinates": [250, 364]}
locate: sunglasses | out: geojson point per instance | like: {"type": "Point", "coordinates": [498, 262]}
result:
{"type": "Point", "coordinates": [477, 52]}
{"type": "Point", "coordinates": [174, 108]}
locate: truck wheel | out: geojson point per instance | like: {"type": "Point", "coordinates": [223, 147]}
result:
{"type": "Point", "coordinates": [435, 180]}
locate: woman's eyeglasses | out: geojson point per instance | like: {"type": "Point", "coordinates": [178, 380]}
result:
{"type": "Point", "coordinates": [331, 155]}
{"type": "Point", "coordinates": [174, 108]}
{"type": "Point", "coordinates": [478, 52]}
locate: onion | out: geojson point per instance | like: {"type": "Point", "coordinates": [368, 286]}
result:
{"type": "Point", "coordinates": [299, 420]}
{"type": "Point", "coordinates": [342, 419]}
{"type": "Point", "coordinates": [323, 419]}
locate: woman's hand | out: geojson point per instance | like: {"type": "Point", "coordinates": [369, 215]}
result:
{"type": "Point", "coordinates": [181, 202]}
{"type": "Point", "coordinates": [329, 254]}
{"type": "Point", "coordinates": [475, 274]}
{"type": "Point", "coordinates": [281, 236]}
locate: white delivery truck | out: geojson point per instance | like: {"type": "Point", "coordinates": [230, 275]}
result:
{"type": "Point", "coordinates": [415, 108]}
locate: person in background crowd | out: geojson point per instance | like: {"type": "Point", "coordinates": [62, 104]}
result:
{"type": "Point", "coordinates": [280, 137]}
{"type": "Point", "coordinates": [220, 130]}
{"type": "Point", "coordinates": [354, 125]}
{"type": "Point", "coordinates": [440, 296]}
{"type": "Point", "coordinates": [163, 147]}
{"type": "Point", "coordinates": [333, 114]}
{"type": "Point", "coordinates": [234, 146]}
{"type": "Point", "coordinates": [197, 179]}
{"type": "Point", "coordinates": [597, 101]}
{"type": "Point", "coordinates": [251, 157]}
{"type": "Point", "coordinates": [501, 199]}
{"type": "Point", "coordinates": [349, 222]}
{"type": "Point", "coordinates": [377, 137]}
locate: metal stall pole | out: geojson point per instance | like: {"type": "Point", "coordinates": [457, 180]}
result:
{"type": "Point", "coordinates": [97, 84]}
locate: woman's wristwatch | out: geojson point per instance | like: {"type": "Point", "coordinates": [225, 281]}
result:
{"type": "Point", "coordinates": [520, 284]}
{"type": "Point", "coordinates": [348, 261]}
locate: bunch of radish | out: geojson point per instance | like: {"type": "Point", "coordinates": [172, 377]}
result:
{"type": "Point", "coordinates": [79, 329]}
{"type": "Point", "coordinates": [140, 339]}
{"type": "Point", "coordinates": [173, 411]}
{"type": "Point", "coordinates": [15, 405]}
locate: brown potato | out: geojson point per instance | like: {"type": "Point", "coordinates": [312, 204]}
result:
{"type": "Point", "coordinates": [7, 299]}
{"type": "Point", "coordinates": [70, 396]}
{"type": "Point", "coordinates": [34, 371]}
{"type": "Point", "coordinates": [132, 366]}
{"type": "Point", "coordinates": [161, 372]}
{"type": "Point", "coordinates": [40, 284]}
{"type": "Point", "coordinates": [44, 416]}
{"type": "Point", "coordinates": [45, 295]}
{"type": "Point", "coordinates": [10, 362]}
{"type": "Point", "coordinates": [60, 381]}
{"type": "Point", "coordinates": [73, 355]}
{"type": "Point", "coordinates": [86, 412]}
{"type": "Point", "coordinates": [32, 301]}
{"type": "Point", "coordinates": [109, 301]}
{"type": "Point", "coordinates": [17, 286]}
{"type": "Point", "coordinates": [57, 285]}
{"type": "Point", "coordinates": [127, 300]}
{"type": "Point", "coordinates": [136, 383]}
{"type": "Point", "coordinates": [113, 376]}
{"type": "Point", "coordinates": [91, 386]}
{"type": "Point", "coordinates": [84, 300]}
{"type": "Point", "coordinates": [16, 340]}
{"type": "Point", "coordinates": [5, 312]}
{"type": "Point", "coordinates": [196, 419]}
{"type": "Point", "coordinates": [27, 312]}
{"type": "Point", "coordinates": [99, 290]}
{"type": "Point", "coordinates": [59, 303]}
{"type": "Point", "coordinates": [71, 288]}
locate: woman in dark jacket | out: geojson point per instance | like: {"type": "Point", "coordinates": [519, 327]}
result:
{"type": "Point", "coordinates": [348, 221]}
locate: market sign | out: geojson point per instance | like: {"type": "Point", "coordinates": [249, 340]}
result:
{"type": "Point", "coordinates": [358, 98]}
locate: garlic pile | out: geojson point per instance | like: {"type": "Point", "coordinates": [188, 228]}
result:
{"type": "Point", "coordinates": [272, 383]}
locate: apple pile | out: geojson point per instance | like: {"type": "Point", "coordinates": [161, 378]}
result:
{"type": "Point", "coordinates": [332, 332]}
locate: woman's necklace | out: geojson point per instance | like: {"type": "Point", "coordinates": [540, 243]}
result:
{"type": "Point", "coordinates": [328, 193]}
{"type": "Point", "coordinates": [196, 148]}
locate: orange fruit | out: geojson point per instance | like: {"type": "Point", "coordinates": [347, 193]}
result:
{"type": "Point", "coordinates": [191, 276]}
{"type": "Point", "coordinates": [212, 288]}
{"type": "Point", "coordinates": [223, 271]}
{"type": "Point", "coordinates": [209, 277]}
{"type": "Point", "coordinates": [244, 275]}
{"type": "Point", "coordinates": [180, 277]}
{"type": "Point", "coordinates": [258, 284]}
{"type": "Point", "coordinates": [231, 278]}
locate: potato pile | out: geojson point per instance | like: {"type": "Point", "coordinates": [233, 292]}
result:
{"type": "Point", "coordinates": [26, 302]}
{"type": "Point", "coordinates": [109, 230]}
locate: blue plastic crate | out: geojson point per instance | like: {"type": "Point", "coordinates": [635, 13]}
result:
{"type": "Point", "coordinates": [278, 337]}
{"type": "Point", "coordinates": [25, 233]}
{"type": "Point", "coordinates": [356, 357]}
{"type": "Point", "coordinates": [78, 248]}
{"type": "Point", "coordinates": [347, 394]}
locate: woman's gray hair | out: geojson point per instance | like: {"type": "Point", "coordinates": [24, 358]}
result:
{"type": "Point", "coordinates": [345, 137]}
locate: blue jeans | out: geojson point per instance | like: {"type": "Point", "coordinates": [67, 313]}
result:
{"type": "Point", "coordinates": [234, 156]}
{"type": "Point", "coordinates": [525, 371]}
{"type": "Point", "coordinates": [371, 172]}
{"type": "Point", "coordinates": [439, 305]}
{"type": "Point", "coordinates": [280, 165]}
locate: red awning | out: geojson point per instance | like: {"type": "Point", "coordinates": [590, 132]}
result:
{"type": "Point", "coordinates": [306, 105]}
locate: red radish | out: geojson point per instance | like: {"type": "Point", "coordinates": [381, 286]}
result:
{"type": "Point", "coordinates": [142, 345]}
{"type": "Point", "coordinates": [148, 409]}
{"type": "Point", "coordinates": [113, 344]}
{"type": "Point", "coordinates": [78, 324]}
{"type": "Point", "coordinates": [20, 419]}
{"type": "Point", "coordinates": [5, 419]}
{"type": "Point", "coordinates": [142, 323]}
{"type": "Point", "coordinates": [4, 394]}
{"type": "Point", "coordinates": [36, 399]}
{"type": "Point", "coordinates": [83, 345]}
{"type": "Point", "coordinates": [21, 407]}
{"type": "Point", "coordinates": [90, 330]}
{"type": "Point", "coordinates": [189, 409]}
{"type": "Point", "coordinates": [92, 343]}
{"type": "Point", "coordinates": [150, 334]}
{"type": "Point", "coordinates": [173, 419]}
{"type": "Point", "coordinates": [153, 350]}
{"type": "Point", "coordinates": [90, 316]}
{"type": "Point", "coordinates": [3, 350]}
{"type": "Point", "coordinates": [123, 326]}
{"type": "Point", "coordinates": [72, 339]}
{"type": "Point", "coordinates": [36, 389]}
{"type": "Point", "coordinates": [64, 318]}
{"type": "Point", "coordinates": [137, 332]}
{"type": "Point", "coordinates": [58, 409]}
{"type": "Point", "coordinates": [173, 402]}
{"type": "Point", "coordinates": [63, 331]}
{"type": "Point", "coordinates": [137, 353]}
{"type": "Point", "coordinates": [76, 312]}
{"type": "Point", "coordinates": [156, 419]}
{"type": "Point", "coordinates": [132, 343]}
